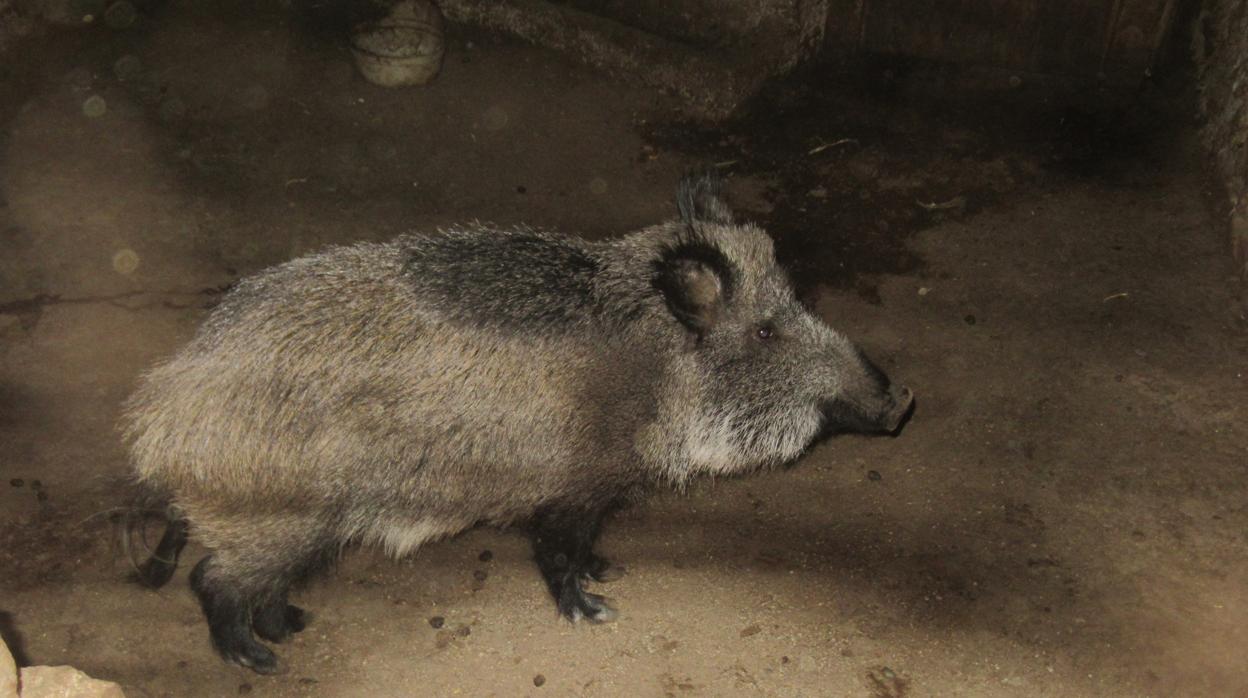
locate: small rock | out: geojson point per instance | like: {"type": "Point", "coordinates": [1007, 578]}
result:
{"type": "Point", "coordinates": [751, 630]}
{"type": "Point", "coordinates": [17, 482]}
{"type": "Point", "coordinates": [94, 107]}
{"type": "Point", "coordinates": [65, 681]}
{"type": "Point", "coordinates": [539, 680]}
{"type": "Point", "coordinates": [244, 689]}
{"type": "Point", "coordinates": [464, 631]}
{"type": "Point", "coordinates": [437, 622]}
{"type": "Point", "coordinates": [308, 681]}
{"type": "Point", "coordinates": [818, 193]}
{"type": "Point", "coordinates": [486, 555]}
{"type": "Point", "coordinates": [923, 291]}
{"type": "Point", "coordinates": [8, 672]}
{"type": "Point", "coordinates": [480, 575]}
{"type": "Point", "coordinates": [519, 190]}
{"type": "Point", "coordinates": [125, 261]}
{"type": "Point", "coordinates": [970, 319]}
{"type": "Point", "coordinates": [874, 475]}
{"type": "Point", "coordinates": [36, 485]}
{"type": "Point", "coordinates": [888, 673]}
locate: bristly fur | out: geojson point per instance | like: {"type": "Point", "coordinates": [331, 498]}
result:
{"type": "Point", "coordinates": [394, 393]}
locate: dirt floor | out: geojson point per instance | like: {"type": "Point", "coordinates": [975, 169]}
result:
{"type": "Point", "coordinates": [1065, 515]}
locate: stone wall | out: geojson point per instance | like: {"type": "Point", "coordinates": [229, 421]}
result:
{"type": "Point", "coordinates": [1220, 47]}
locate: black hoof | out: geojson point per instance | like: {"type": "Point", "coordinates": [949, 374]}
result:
{"type": "Point", "coordinates": [576, 604]}
{"type": "Point", "coordinates": [602, 570]}
{"type": "Point", "coordinates": [278, 621]}
{"type": "Point", "coordinates": [296, 618]}
{"type": "Point", "coordinates": [252, 655]}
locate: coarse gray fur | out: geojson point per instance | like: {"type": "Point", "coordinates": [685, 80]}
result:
{"type": "Point", "coordinates": [394, 393]}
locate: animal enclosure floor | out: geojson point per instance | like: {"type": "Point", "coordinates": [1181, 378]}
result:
{"type": "Point", "coordinates": [1065, 514]}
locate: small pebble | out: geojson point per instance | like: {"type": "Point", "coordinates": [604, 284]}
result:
{"type": "Point", "coordinates": [519, 190]}
{"type": "Point", "coordinates": [539, 680]}
{"type": "Point", "coordinates": [479, 575]}
{"type": "Point", "coordinates": [888, 673]}
{"type": "Point", "coordinates": [970, 319]}
{"type": "Point", "coordinates": [42, 496]}
{"type": "Point", "coordinates": [486, 555]}
{"type": "Point", "coordinates": [464, 631]}
{"type": "Point", "coordinates": [751, 630]}
{"type": "Point", "coordinates": [924, 291]}
{"type": "Point", "coordinates": [436, 622]}
{"type": "Point", "coordinates": [36, 484]}
{"type": "Point", "coordinates": [94, 107]}
{"type": "Point", "coordinates": [874, 475]}
{"type": "Point", "coordinates": [307, 681]}
{"type": "Point", "coordinates": [125, 261]}
{"type": "Point", "coordinates": [244, 689]}
{"type": "Point", "coordinates": [784, 660]}
{"type": "Point", "coordinates": [17, 482]}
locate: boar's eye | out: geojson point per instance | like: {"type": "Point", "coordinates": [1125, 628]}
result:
{"type": "Point", "coordinates": [764, 332]}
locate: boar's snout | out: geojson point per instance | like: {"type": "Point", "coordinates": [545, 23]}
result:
{"type": "Point", "coordinates": [902, 399]}
{"type": "Point", "coordinates": [881, 408]}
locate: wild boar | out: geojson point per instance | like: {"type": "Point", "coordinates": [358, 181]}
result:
{"type": "Point", "coordinates": [395, 393]}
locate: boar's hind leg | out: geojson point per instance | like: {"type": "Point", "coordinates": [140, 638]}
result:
{"type": "Point", "coordinates": [563, 540]}
{"type": "Point", "coordinates": [228, 610]}
{"type": "Point", "coordinates": [244, 587]}
{"type": "Point", "coordinates": [276, 619]}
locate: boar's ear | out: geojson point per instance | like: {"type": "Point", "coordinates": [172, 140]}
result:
{"type": "Point", "coordinates": [698, 199]}
{"type": "Point", "coordinates": [696, 282]}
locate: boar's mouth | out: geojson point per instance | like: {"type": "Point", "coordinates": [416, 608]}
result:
{"type": "Point", "coordinates": [885, 416]}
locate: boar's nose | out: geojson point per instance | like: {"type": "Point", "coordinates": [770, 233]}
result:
{"type": "Point", "coordinates": [903, 405]}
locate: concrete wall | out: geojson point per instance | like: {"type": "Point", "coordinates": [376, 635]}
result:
{"type": "Point", "coordinates": [775, 32]}
{"type": "Point", "coordinates": [1114, 40]}
{"type": "Point", "coordinates": [1220, 45]}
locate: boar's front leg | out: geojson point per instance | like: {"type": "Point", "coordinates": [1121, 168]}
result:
{"type": "Point", "coordinates": [563, 540]}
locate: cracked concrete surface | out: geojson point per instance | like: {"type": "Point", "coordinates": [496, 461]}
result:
{"type": "Point", "coordinates": [1064, 516]}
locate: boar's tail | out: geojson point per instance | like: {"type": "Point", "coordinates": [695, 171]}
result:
{"type": "Point", "coordinates": [161, 561]}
